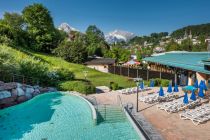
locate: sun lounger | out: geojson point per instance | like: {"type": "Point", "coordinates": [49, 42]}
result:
{"type": "Point", "coordinates": [199, 120]}
{"type": "Point", "coordinates": [179, 106]}
{"type": "Point", "coordinates": [145, 89]}
{"type": "Point", "coordinates": [197, 116]}
{"type": "Point", "coordinates": [153, 98]}
{"type": "Point", "coordinates": [128, 90]}
{"type": "Point", "coordinates": [157, 98]}
{"type": "Point", "coordinates": [147, 97]}
{"type": "Point", "coordinates": [167, 105]}
{"type": "Point", "coordinates": [123, 91]}
{"type": "Point", "coordinates": [193, 113]}
{"type": "Point", "coordinates": [166, 98]}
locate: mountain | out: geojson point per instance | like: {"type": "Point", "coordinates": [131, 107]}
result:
{"type": "Point", "coordinates": [66, 27]}
{"type": "Point", "coordinates": [119, 36]}
{"type": "Point", "coordinates": [196, 30]}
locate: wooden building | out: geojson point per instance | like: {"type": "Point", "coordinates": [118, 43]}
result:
{"type": "Point", "coordinates": [186, 66]}
{"type": "Point", "coordinates": [100, 64]}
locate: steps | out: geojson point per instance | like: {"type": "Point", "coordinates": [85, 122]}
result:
{"type": "Point", "coordinates": [110, 114]}
{"type": "Point", "coordinates": [117, 120]}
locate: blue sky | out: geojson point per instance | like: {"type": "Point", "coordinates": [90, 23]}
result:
{"type": "Point", "coordinates": [141, 17]}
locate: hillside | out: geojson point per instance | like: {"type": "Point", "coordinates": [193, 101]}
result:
{"type": "Point", "coordinates": [197, 30]}
{"type": "Point", "coordinates": [95, 77]}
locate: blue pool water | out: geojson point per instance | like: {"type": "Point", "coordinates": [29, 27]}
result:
{"type": "Point", "coordinates": [56, 116]}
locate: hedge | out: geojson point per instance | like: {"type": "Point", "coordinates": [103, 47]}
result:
{"type": "Point", "coordinates": [79, 86]}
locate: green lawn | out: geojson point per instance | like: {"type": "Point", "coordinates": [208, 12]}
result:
{"type": "Point", "coordinates": [97, 78]}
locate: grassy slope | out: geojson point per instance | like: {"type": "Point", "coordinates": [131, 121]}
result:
{"type": "Point", "coordinates": [96, 77]}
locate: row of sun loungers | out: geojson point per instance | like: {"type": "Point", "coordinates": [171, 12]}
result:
{"type": "Point", "coordinates": [133, 90]}
{"type": "Point", "coordinates": [177, 105]}
{"type": "Point", "coordinates": [198, 115]}
{"type": "Point", "coordinates": [173, 103]}
{"type": "Point", "coordinates": [153, 98]}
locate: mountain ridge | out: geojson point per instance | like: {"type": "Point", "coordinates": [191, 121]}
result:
{"type": "Point", "coordinates": [118, 36]}
{"type": "Point", "coordinates": [66, 27]}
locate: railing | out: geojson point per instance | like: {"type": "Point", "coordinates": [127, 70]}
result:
{"type": "Point", "coordinates": [93, 101]}
{"type": "Point", "coordinates": [104, 106]}
{"type": "Point", "coordinates": [119, 101]}
{"type": "Point", "coordinates": [129, 106]}
{"type": "Point", "coordinates": [143, 73]}
{"type": "Point", "coordinates": [11, 77]}
{"type": "Point", "coordinates": [105, 112]}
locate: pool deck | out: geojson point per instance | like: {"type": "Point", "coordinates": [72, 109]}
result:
{"type": "Point", "coordinates": [170, 126]}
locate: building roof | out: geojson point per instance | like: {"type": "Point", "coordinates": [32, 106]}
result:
{"type": "Point", "coordinates": [132, 62]}
{"type": "Point", "coordinates": [100, 61]}
{"type": "Point", "coordinates": [185, 60]}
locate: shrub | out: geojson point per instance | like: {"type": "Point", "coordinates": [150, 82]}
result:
{"type": "Point", "coordinates": [65, 75]}
{"type": "Point", "coordinates": [34, 69]}
{"type": "Point", "coordinates": [165, 82]}
{"type": "Point", "coordinates": [157, 81]}
{"type": "Point", "coordinates": [6, 41]}
{"type": "Point", "coordinates": [161, 82]}
{"type": "Point", "coordinates": [114, 86]}
{"type": "Point", "coordinates": [146, 82]}
{"type": "Point", "coordinates": [79, 86]}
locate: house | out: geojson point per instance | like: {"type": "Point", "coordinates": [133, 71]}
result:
{"type": "Point", "coordinates": [179, 41]}
{"type": "Point", "coordinates": [133, 56]}
{"type": "Point", "coordinates": [158, 50]}
{"type": "Point", "coordinates": [186, 66]}
{"type": "Point", "coordinates": [146, 44]}
{"type": "Point", "coordinates": [100, 64]}
{"type": "Point", "coordinates": [207, 40]}
{"type": "Point", "coordinates": [195, 41]}
{"type": "Point", "coordinates": [162, 43]}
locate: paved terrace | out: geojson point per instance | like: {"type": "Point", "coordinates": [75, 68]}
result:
{"type": "Point", "coordinates": [170, 126]}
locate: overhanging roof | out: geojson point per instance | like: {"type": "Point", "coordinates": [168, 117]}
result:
{"type": "Point", "coordinates": [185, 60]}
{"type": "Point", "coordinates": [101, 61]}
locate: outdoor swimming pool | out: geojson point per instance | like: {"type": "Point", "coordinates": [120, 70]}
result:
{"type": "Point", "coordinates": [56, 116]}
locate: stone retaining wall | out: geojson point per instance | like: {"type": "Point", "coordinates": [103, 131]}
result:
{"type": "Point", "coordinates": [14, 93]}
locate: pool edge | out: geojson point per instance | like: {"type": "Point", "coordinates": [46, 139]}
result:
{"type": "Point", "coordinates": [94, 116]}
{"type": "Point", "coordinates": [139, 132]}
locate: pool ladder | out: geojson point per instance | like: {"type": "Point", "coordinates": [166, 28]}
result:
{"type": "Point", "coordinates": [107, 112]}
{"type": "Point", "coordinates": [110, 113]}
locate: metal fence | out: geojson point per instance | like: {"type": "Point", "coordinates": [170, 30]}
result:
{"type": "Point", "coordinates": [136, 72]}
{"type": "Point", "coordinates": [11, 77]}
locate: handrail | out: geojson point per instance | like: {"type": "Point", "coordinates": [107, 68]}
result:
{"type": "Point", "coordinates": [94, 101]}
{"type": "Point", "coordinates": [105, 112]}
{"type": "Point", "coordinates": [119, 100]}
{"type": "Point", "coordinates": [129, 106]}
{"type": "Point", "coordinates": [105, 109]}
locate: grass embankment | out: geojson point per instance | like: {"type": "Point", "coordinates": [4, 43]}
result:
{"type": "Point", "coordinates": [95, 77]}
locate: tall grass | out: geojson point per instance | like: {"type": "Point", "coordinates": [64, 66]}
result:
{"type": "Point", "coordinates": [49, 67]}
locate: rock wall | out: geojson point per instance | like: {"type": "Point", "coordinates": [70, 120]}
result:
{"type": "Point", "coordinates": [15, 93]}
